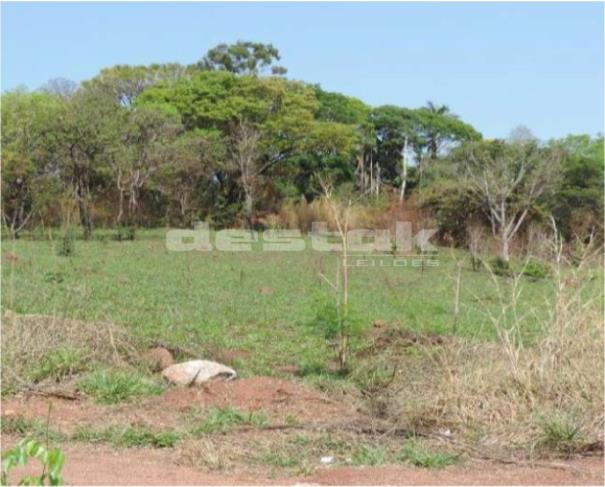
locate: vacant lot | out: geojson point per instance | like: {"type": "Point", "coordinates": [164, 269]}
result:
{"type": "Point", "coordinates": [449, 366]}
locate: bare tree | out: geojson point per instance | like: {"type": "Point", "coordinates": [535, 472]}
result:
{"type": "Point", "coordinates": [509, 179]}
{"type": "Point", "coordinates": [245, 154]}
{"type": "Point", "coordinates": [340, 214]}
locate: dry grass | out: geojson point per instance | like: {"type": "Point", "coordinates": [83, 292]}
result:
{"type": "Point", "coordinates": [380, 215]}
{"type": "Point", "coordinates": [36, 347]}
{"type": "Point", "coordinates": [535, 395]}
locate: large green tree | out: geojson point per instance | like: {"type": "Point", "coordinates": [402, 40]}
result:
{"type": "Point", "coordinates": [27, 184]}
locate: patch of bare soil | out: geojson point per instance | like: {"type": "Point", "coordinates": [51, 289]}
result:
{"type": "Point", "coordinates": [100, 465]}
{"type": "Point", "coordinates": [583, 471]}
{"type": "Point", "coordinates": [276, 397]}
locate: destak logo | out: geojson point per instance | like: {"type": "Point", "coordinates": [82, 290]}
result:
{"type": "Point", "coordinates": [365, 247]}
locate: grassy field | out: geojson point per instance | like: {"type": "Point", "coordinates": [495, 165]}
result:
{"type": "Point", "coordinates": [517, 371]}
{"type": "Point", "coordinates": [264, 303]}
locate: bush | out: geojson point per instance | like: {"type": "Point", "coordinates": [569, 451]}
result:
{"type": "Point", "coordinates": [110, 387]}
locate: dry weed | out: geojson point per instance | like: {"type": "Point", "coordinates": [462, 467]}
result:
{"type": "Point", "coordinates": [28, 339]}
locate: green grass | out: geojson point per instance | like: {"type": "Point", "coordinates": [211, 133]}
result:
{"type": "Point", "coordinates": [59, 363]}
{"type": "Point", "coordinates": [128, 437]}
{"type": "Point", "coordinates": [113, 386]}
{"type": "Point", "coordinates": [35, 428]}
{"type": "Point", "coordinates": [560, 432]}
{"type": "Point", "coordinates": [414, 452]}
{"type": "Point", "coordinates": [370, 455]}
{"type": "Point", "coordinates": [207, 301]}
{"type": "Point", "coordinates": [221, 420]}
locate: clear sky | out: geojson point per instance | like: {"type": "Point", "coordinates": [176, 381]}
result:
{"type": "Point", "coordinates": [496, 65]}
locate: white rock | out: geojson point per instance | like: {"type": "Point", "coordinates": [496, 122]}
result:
{"type": "Point", "coordinates": [197, 372]}
{"type": "Point", "coordinates": [326, 460]}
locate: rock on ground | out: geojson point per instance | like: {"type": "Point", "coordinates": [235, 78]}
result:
{"type": "Point", "coordinates": [197, 372]}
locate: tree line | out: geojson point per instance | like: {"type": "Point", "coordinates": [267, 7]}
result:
{"type": "Point", "coordinates": [230, 138]}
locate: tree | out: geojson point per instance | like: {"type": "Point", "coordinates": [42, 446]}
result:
{"type": "Point", "coordinates": [62, 87]}
{"type": "Point", "coordinates": [189, 180]}
{"type": "Point", "coordinates": [81, 136]}
{"type": "Point", "coordinates": [577, 204]}
{"type": "Point", "coordinates": [124, 82]}
{"type": "Point", "coordinates": [243, 58]}
{"type": "Point", "coordinates": [509, 179]}
{"type": "Point", "coordinates": [145, 136]}
{"type": "Point", "coordinates": [438, 129]}
{"type": "Point", "coordinates": [26, 185]}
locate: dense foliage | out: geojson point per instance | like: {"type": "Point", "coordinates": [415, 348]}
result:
{"type": "Point", "coordinates": [225, 142]}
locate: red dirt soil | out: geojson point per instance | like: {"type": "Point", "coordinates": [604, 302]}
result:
{"type": "Point", "coordinates": [100, 465]}
{"type": "Point", "coordinates": [277, 398]}
{"type": "Point", "coordinates": [88, 464]}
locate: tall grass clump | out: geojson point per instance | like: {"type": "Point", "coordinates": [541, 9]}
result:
{"type": "Point", "coordinates": [512, 392]}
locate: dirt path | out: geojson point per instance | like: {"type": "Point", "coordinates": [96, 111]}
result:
{"type": "Point", "coordinates": [102, 465]}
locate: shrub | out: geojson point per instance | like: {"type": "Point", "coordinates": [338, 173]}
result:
{"type": "Point", "coordinates": [110, 387]}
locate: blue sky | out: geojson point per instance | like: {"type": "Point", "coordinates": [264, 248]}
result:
{"type": "Point", "coordinates": [496, 65]}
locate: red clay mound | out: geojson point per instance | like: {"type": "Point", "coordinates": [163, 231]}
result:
{"type": "Point", "coordinates": [274, 396]}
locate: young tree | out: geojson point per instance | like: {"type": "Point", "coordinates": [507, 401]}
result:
{"type": "Point", "coordinates": [509, 179]}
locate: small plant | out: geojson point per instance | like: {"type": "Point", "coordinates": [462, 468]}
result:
{"type": "Point", "coordinates": [223, 419]}
{"type": "Point", "coordinates": [560, 433]}
{"type": "Point", "coordinates": [26, 449]}
{"type": "Point", "coordinates": [110, 387]}
{"type": "Point", "coordinates": [535, 270]}
{"type": "Point", "coordinates": [58, 364]}
{"type": "Point", "coordinates": [418, 455]}
{"type": "Point", "coordinates": [68, 243]}
{"type": "Point", "coordinates": [370, 455]}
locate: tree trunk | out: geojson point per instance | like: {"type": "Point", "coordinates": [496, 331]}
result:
{"type": "Point", "coordinates": [85, 218]}
{"type": "Point", "coordinates": [404, 171]}
{"type": "Point", "coordinates": [504, 248]}
{"type": "Point", "coordinates": [248, 202]}
{"type": "Point", "coordinates": [82, 195]}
